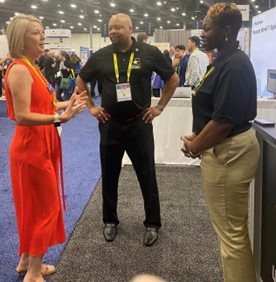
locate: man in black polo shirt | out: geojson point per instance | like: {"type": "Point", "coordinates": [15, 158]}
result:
{"type": "Point", "coordinates": [49, 65]}
{"type": "Point", "coordinates": [125, 117]}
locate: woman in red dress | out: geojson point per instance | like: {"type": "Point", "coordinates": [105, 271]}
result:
{"type": "Point", "coordinates": [35, 151]}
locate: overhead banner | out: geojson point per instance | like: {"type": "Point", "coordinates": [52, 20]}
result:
{"type": "Point", "coordinates": [58, 33]}
{"type": "Point", "coordinates": [149, 28]}
{"type": "Point", "coordinates": [244, 9]}
{"type": "Point", "coordinates": [104, 29]}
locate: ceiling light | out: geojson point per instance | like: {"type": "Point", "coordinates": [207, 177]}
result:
{"type": "Point", "coordinates": [34, 7]}
{"type": "Point", "coordinates": [112, 4]}
{"type": "Point", "coordinates": [98, 28]}
{"type": "Point", "coordinates": [82, 11]}
{"type": "Point", "coordinates": [62, 21]}
{"type": "Point", "coordinates": [256, 6]}
{"type": "Point", "coordinates": [252, 0]}
{"type": "Point", "coordinates": [54, 24]}
{"type": "Point", "coordinates": [11, 18]}
{"type": "Point", "coordinates": [201, 2]}
{"type": "Point", "coordinates": [96, 11]}
{"type": "Point", "coordinates": [259, 12]}
{"type": "Point", "coordinates": [16, 14]}
{"type": "Point", "coordinates": [7, 22]}
{"type": "Point", "coordinates": [146, 15]}
{"type": "Point", "coordinates": [183, 14]}
{"type": "Point", "coordinates": [173, 9]}
{"type": "Point", "coordinates": [85, 28]}
{"type": "Point", "coordinates": [73, 6]}
{"type": "Point", "coordinates": [159, 19]}
{"type": "Point", "coordinates": [71, 26]}
{"type": "Point", "coordinates": [61, 12]}
{"type": "Point", "coordinates": [131, 10]}
{"type": "Point", "coordinates": [192, 18]}
{"type": "Point", "coordinates": [79, 23]}
{"type": "Point", "coordinates": [168, 21]}
{"type": "Point", "coordinates": [94, 26]}
{"type": "Point", "coordinates": [137, 27]}
{"type": "Point", "coordinates": [161, 27]}
{"type": "Point", "coordinates": [81, 16]}
{"type": "Point", "coordinates": [2, 1]}
{"type": "Point", "coordinates": [100, 20]}
{"type": "Point", "coordinates": [158, 3]}
{"type": "Point", "coordinates": [47, 27]}
{"type": "Point", "coordinates": [41, 18]}
{"type": "Point", "coordinates": [177, 24]}
{"type": "Point", "coordinates": [141, 22]}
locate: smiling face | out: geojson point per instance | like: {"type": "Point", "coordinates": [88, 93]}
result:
{"type": "Point", "coordinates": [120, 29]}
{"type": "Point", "coordinates": [212, 35]}
{"type": "Point", "coordinates": [34, 39]}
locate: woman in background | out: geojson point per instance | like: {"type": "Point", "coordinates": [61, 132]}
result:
{"type": "Point", "coordinates": [35, 151]}
{"type": "Point", "coordinates": [224, 103]}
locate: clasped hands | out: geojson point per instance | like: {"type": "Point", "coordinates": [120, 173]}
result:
{"type": "Point", "coordinates": [186, 146]}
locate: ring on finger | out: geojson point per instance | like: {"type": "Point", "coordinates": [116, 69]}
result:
{"type": "Point", "coordinates": [99, 115]}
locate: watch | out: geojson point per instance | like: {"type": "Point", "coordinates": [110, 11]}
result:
{"type": "Point", "coordinates": [159, 107]}
{"type": "Point", "coordinates": [56, 121]}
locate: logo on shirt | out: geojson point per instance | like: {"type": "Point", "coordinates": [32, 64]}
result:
{"type": "Point", "coordinates": [136, 64]}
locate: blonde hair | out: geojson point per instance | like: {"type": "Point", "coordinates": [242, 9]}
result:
{"type": "Point", "coordinates": [226, 14]}
{"type": "Point", "coordinates": [16, 32]}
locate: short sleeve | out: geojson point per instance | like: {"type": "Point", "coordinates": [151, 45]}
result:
{"type": "Point", "coordinates": [161, 65]}
{"type": "Point", "coordinates": [89, 71]}
{"type": "Point", "coordinates": [232, 97]}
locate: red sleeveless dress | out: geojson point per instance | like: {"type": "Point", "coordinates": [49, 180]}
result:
{"type": "Point", "coordinates": [35, 152]}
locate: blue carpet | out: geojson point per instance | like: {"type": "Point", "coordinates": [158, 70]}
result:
{"type": "Point", "coordinates": [81, 163]}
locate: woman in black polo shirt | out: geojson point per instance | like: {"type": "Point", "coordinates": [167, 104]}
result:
{"type": "Point", "coordinates": [223, 104]}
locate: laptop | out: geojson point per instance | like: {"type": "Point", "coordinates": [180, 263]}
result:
{"type": "Point", "coordinates": [182, 92]}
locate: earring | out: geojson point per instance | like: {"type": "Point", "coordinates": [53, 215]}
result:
{"type": "Point", "coordinates": [226, 39]}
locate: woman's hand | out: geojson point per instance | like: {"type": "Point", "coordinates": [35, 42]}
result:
{"type": "Point", "coordinates": [76, 105]}
{"type": "Point", "coordinates": [186, 146]}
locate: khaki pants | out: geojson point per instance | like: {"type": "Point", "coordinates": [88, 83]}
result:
{"type": "Point", "coordinates": [227, 170]}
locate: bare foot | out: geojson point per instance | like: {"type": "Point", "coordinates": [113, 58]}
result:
{"type": "Point", "coordinates": [45, 269]}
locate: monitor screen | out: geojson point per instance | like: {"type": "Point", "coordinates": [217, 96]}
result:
{"type": "Point", "coordinates": [271, 81]}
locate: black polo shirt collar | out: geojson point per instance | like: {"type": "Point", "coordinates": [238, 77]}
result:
{"type": "Point", "coordinates": [113, 48]}
{"type": "Point", "coordinates": [222, 57]}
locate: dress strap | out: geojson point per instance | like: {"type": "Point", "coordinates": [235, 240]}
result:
{"type": "Point", "coordinates": [61, 173]}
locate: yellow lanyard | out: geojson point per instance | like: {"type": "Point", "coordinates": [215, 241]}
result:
{"type": "Point", "coordinates": [116, 66]}
{"type": "Point", "coordinates": [54, 100]}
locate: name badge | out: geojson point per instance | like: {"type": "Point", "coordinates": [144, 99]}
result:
{"type": "Point", "coordinates": [123, 92]}
{"type": "Point", "coordinates": [58, 74]}
{"type": "Point", "coordinates": [50, 88]}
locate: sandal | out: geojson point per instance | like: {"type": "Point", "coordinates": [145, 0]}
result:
{"type": "Point", "coordinates": [46, 272]}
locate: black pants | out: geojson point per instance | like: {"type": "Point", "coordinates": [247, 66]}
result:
{"type": "Point", "coordinates": [93, 84]}
{"type": "Point", "coordinates": [136, 138]}
{"type": "Point", "coordinates": [51, 80]}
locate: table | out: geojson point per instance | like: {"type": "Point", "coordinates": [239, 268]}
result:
{"type": "Point", "coordinates": [176, 120]}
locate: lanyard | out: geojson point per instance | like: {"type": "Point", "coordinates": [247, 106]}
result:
{"type": "Point", "coordinates": [54, 100]}
{"type": "Point", "coordinates": [128, 69]}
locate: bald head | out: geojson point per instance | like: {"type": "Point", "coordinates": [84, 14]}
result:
{"type": "Point", "coordinates": [122, 18]}
{"type": "Point", "coordinates": [120, 29]}
{"type": "Point", "coordinates": [147, 278]}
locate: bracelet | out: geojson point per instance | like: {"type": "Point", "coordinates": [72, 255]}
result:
{"type": "Point", "coordinates": [192, 154]}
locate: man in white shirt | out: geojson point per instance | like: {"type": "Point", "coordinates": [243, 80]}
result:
{"type": "Point", "coordinates": [197, 63]}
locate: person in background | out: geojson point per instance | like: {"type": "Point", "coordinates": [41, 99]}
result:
{"type": "Point", "coordinates": [64, 67]}
{"type": "Point", "coordinates": [35, 150]}
{"type": "Point", "coordinates": [172, 51]}
{"type": "Point", "coordinates": [142, 37]}
{"type": "Point", "coordinates": [183, 61]}
{"type": "Point", "coordinates": [147, 278]}
{"type": "Point", "coordinates": [42, 58]}
{"type": "Point", "coordinates": [125, 118]}
{"type": "Point", "coordinates": [224, 103]}
{"type": "Point", "coordinates": [166, 53]}
{"type": "Point", "coordinates": [49, 65]}
{"type": "Point", "coordinates": [77, 63]}
{"type": "Point", "coordinates": [197, 64]}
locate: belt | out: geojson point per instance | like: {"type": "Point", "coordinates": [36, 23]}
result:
{"type": "Point", "coordinates": [123, 120]}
